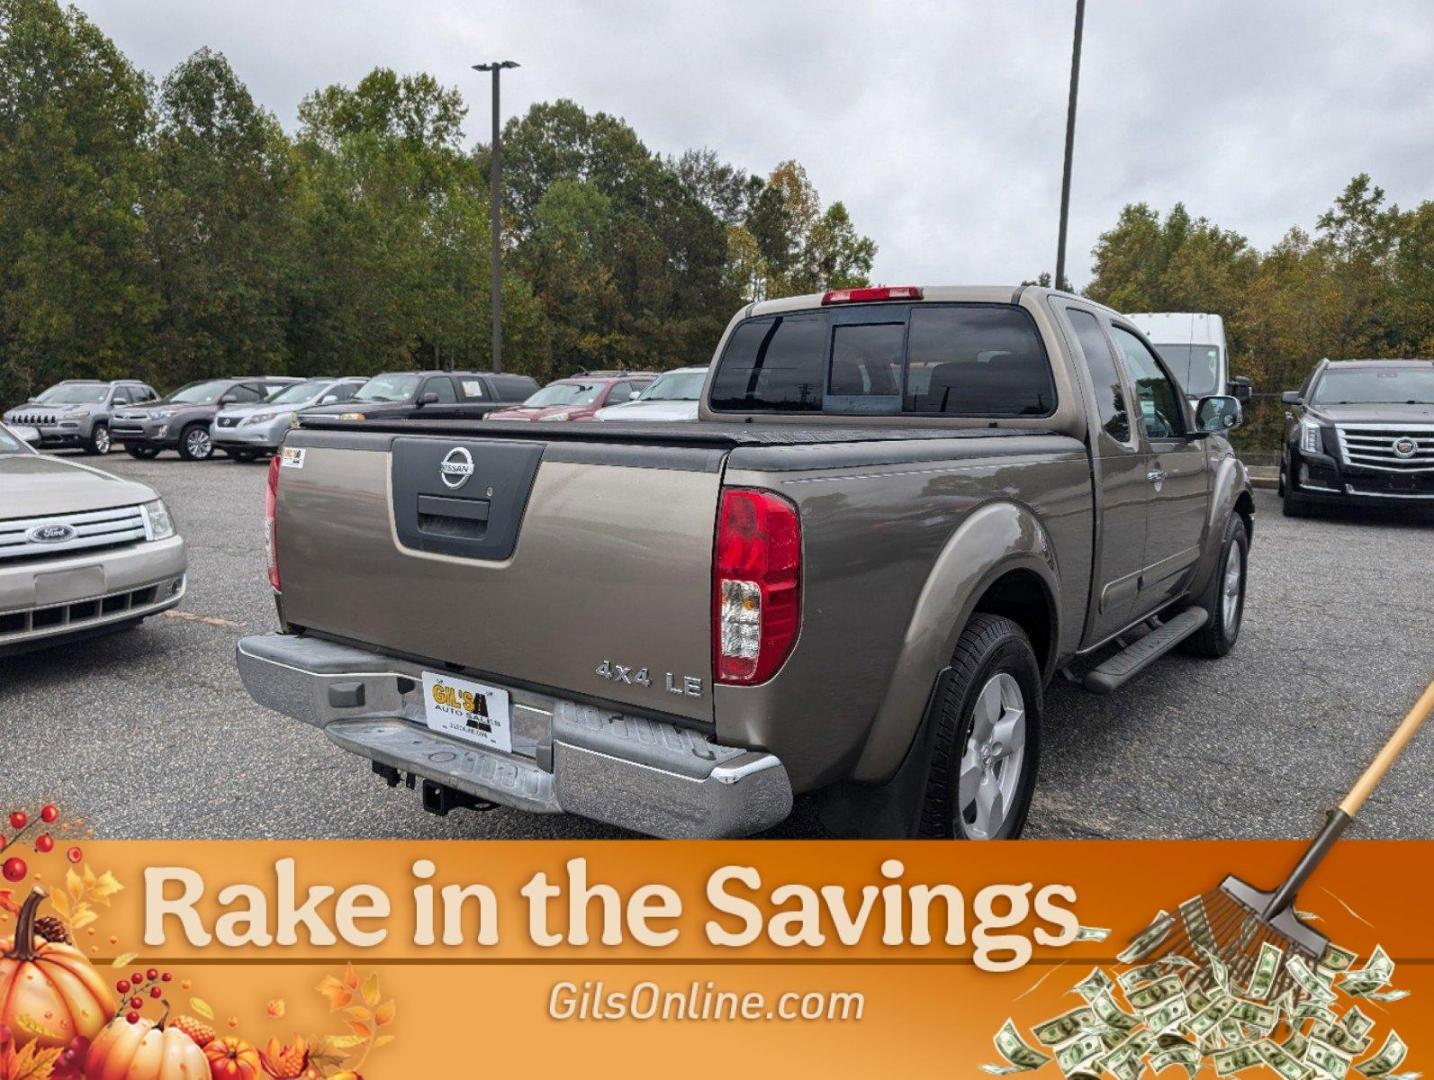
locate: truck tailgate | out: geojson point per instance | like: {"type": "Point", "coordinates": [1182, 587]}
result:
{"type": "Point", "coordinates": [532, 562]}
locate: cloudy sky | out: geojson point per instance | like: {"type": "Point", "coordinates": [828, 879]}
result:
{"type": "Point", "coordinates": [939, 124]}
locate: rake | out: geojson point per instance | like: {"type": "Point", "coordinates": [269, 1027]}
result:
{"type": "Point", "coordinates": [1235, 920]}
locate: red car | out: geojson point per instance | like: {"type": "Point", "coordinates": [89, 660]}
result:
{"type": "Point", "coordinates": [578, 397]}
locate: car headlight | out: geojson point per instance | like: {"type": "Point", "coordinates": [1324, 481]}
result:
{"type": "Point", "coordinates": [258, 418]}
{"type": "Point", "coordinates": [556, 416]}
{"type": "Point", "coordinates": [1311, 440]}
{"type": "Point", "coordinates": [77, 413]}
{"type": "Point", "coordinates": [157, 523]}
{"type": "Point", "coordinates": [352, 416]}
{"type": "Point", "coordinates": [161, 414]}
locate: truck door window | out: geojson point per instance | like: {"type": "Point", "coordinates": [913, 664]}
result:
{"type": "Point", "coordinates": [443, 387]}
{"type": "Point", "coordinates": [1158, 397]}
{"type": "Point", "coordinates": [773, 364]}
{"type": "Point", "coordinates": [977, 360]}
{"type": "Point", "coordinates": [1104, 375]}
{"type": "Point", "coordinates": [866, 368]}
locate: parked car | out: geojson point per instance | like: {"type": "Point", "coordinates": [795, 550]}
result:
{"type": "Point", "coordinates": [79, 412]}
{"type": "Point", "coordinates": [81, 551]}
{"type": "Point", "coordinates": [579, 397]}
{"type": "Point", "coordinates": [247, 432]}
{"type": "Point", "coordinates": [673, 395]}
{"type": "Point", "coordinates": [184, 420]}
{"type": "Point", "coordinates": [1193, 345]}
{"type": "Point", "coordinates": [902, 512]}
{"type": "Point", "coordinates": [1359, 432]}
{"type": "Point", "coordinates": [403, 393]}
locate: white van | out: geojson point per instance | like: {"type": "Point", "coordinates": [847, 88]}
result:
{"type": "Point", "coordinates": [1193, 345]}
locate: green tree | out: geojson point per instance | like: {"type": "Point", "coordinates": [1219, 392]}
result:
{"type": "Point", "coordinates": [220, 219]}
{"type": "Point", "coordinates": [75, 296]}
{"type": "Point", "coordinates": [802, 248]}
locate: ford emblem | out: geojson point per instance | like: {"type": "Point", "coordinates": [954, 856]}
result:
{"type": "Point", "coordinates": [456, 467]}
{"type": "Point", "coordinates": [51, 534]}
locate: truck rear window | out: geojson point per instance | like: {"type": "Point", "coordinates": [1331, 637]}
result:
{"type": "Point", "coordinates": [941, 359]}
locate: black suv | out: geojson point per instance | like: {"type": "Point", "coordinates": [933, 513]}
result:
{"type": "Point", "coordinates": [1362, 432]}
{"type": "Point", "coordinates": [402, 393]}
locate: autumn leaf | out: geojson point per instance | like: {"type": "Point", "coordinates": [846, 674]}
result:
{"type": "Point", "coordinates": [123, 960]}
{"type": "Point", "coordinates": [61, 903]}
{"type": "Point", "coordinates": [276, 1008]}
{"type": "Point", "coordinates": [7, 902]}
{"type": "Point", "coordinates": [383, 1040]}
{"type": "Point", "coordinates": [338, 994]}
{"type": "Point", "coordinates": [33, 1063]}
{"type": "Point", "coordinates": [74, 885]}
{"type": "Point", "coordinates": [84, 915]}
{"type": "Point", "coordinates": [371, 994]}
{"type": "Point", "coordinates": [363, 1031]}
{"type": "Point", "coordinates": [359, 1013]}
{"type": "Point", "coordinates": [384, 1014]}
{"type": "Point", "coordinates": [351, 979]}
{"type": "Point", "coordinates": [202, 1007]}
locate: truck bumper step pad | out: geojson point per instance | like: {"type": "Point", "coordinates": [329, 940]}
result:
{"type": "Point", "coordinates": [630, 771]}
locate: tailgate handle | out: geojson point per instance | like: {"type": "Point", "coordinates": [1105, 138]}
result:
{"type": "Point", "coordinates": [453, 517]}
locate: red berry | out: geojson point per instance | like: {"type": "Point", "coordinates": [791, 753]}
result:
{"type": "Point", "coordinates": [49, 813]}
{"type": "Point", "coordinates": [155, 992]}
{"type": "Point", "coordinates": [74, 854]}
{"type": "Point", "coordinates": [166, 977]}
{"type": "Point", "coordinates": [152, 974]}
{"type": "Point", "coordinates": [132, 1017]}
{"type": "Point", "coordinates": [19, 819]}
{"type": "Point", "coordinates": [122, 986]}
{"type": "Point", "coordinates": [44, 843]}
{"type": "Point", "coordinates": [14, 869]}
{"type": "Point", "coordinates": [136, 1003]}
{"type": "Point", "coordinates": [137, 978]}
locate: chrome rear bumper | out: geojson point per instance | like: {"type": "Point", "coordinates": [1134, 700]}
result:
{"type": "Point", "coordinates": [637, 773]}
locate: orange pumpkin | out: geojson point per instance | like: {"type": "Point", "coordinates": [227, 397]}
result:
{"type": "Point", "coordinates": [144, 1051]}
{"type": "Point", "coordinates": [49, 994]}
{"type": "Point", "coordinates": [232, 1059]}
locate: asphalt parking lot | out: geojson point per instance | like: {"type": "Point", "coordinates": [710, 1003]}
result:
{"type": "Point", "coordinates": [150, 734]}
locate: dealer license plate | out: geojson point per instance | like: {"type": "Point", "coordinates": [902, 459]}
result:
{"type": "Point", "coordinates": [468, 710]}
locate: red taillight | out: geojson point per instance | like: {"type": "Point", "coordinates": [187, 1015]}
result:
{"type": "Point", "coordinates": [271, 535]}
{"type": "Point", "coordinates": [872, 293]}
{"type": "Point", "coordinates": [756, 585]}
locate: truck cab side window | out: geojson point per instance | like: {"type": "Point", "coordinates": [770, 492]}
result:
{"type": "Point", "coordinates": [1109, 394]}
{"type": "Point", "coordinates": [774, 363]}
{"type": "Point", "coordinates": [443, 387]}
{"type": "Point", "coordinates": [1158, 397]}
{"type": "Point", "coordinates": [977, 360]}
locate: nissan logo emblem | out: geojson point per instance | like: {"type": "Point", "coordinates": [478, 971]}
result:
{"type": "Point", "coordinates": [455, 468]}
{"type": "Point", "coordinates": [51, 534]}
{"type": "Point", "coordinates": [1405, 446]}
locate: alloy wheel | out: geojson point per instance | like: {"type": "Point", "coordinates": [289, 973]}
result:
{"type": "Point", "coordinates": [991, 763]}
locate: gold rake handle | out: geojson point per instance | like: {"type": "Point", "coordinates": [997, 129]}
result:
{"type": "Point", "coordinates": [1386, 757]}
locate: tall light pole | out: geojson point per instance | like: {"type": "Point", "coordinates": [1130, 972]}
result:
{"type": "Point", "coordinates": [495, 219]}
{"type": "Point", "coordinates": [1070, 147]}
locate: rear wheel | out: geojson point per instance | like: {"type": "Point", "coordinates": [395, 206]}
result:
{"type": "Point", "coordinates": [99, 440]}
{"type": "Point", "coordinates": [987, 736]}
{"type": "Point", "coordinates": [140, 451]}
{"type": "Point", "coordinates": [1224, 597]}
{"type": "Point", "coordinates": [195, 443]}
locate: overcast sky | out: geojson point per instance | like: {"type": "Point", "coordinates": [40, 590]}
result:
{"type": "Point", "coordinates": [940, 125]}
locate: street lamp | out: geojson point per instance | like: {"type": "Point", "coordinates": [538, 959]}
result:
{"type": "Point", "coordinates": [1070, 146]}
{"type": "Point", "coordinates": [495, 179]}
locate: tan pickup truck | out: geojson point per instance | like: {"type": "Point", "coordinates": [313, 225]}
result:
{"type": "Point", "coordinates": [901, 512]}
{"type": "Point", "coordinates": [81, 551]}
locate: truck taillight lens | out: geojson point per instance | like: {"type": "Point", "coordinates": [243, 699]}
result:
{"type": "Point", "coordinates": [756, 585]}
{"type": "Point", "coordinates": [271, 535]}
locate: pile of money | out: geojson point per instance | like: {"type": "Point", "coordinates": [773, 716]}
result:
{"type": "Point", "coordinates": [1194, 1011]}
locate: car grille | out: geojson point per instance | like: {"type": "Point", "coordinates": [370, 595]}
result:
{"type": "Point", "coordinates": [1399, 448]}
{"type": "Point", "coordinates": [32, 418]}
{"type": "Point", "coordinates": [79, 612]}
{"type": "Point", "coordinates": [95, 529]}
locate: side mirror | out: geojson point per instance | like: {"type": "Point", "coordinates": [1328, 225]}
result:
{"type": "Point", "coordinates": [227, 399]}
{"type": "Point", "coordinates": [1241, 389]}
{"type": "Point", "coordinates": [633, 395]}
{"type": "Point", "coordinates": [429, 398]}
{"type": "Point", "coordinates": [329, 399]}
{"type": "Point", "coordinates": [1292, 397]}
{"type": "Point", "coordinates": [1218, 414]}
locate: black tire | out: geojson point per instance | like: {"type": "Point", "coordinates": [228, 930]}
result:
{"type": "Point", "coordinates": [99, 441]}
{"type": "Point", "coordinates": [193, 447]}
{"type": "Point", "coordinates": [243, 455]}
{"type": "Point", "coordinates": [1218, 636]}
{"type": "Point", "coordinates": [990, 646]}
{"type": "Point", "coordinates": [140, 451]}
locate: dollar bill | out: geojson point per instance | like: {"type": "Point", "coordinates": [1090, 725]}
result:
{"type": "Point", "coordinates": [1259, 1016]}
{"type": "Point", "coordinates": [1094, 984]}
{"type": "Point", "coordinates": [1355, 1022]}
{"type": "Point", "coordinates": [1112, 1015]}
{"type": "Point", "coordinates": [1308, 981]}
{"type": "Point", "coordinates": [1064, 1028]}
{"type": "Point", "coordinates": [1296, 1044]}
{"type": "Point", "coordinates": [1149, 939]}
{"type": "Point", "coordinates": [1340, 1038]}
{"type": "Point", "coordinates": [1282, 1061]}
{"type": "Point", "coordinates": [1217, 969]}
{"type": "Point", "coordinates": [1020, 1056]}
{"type": "Point", "coordinates": [1072, 1057]}
{"type": "Point", "coordinates": [1151, 996]}
{"type": "Point", "coordinates": [1185, 1055]}
{"type": "Point", "coordinates": [1208, 1019]}
{"type": "Point", "coordinates": [1387, 996]}
{"type": "Point", "coordinates": [1168, 1015]}
{"type": "Point", "coordinates": [1329, 1060]}
{"type": "Point", "coordinates": [1235, 1059]}
{"type": "Point", "coordinates": [1336, 959]}
{"type": "Point", "coordinates": [1375, 974]}
{"type": "Point", "coordinates": [1092, 933]}
{"type": "Point", "coordinates": [1267, 966]}
{"type": "Point", "coordinates": [1197, 923]}
{"type": "Point", "coordinates": [1391, 1055]}
{"type": "Point", "coordinates": [1142, 974]}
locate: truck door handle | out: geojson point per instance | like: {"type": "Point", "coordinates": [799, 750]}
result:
{"type": "Point", "coordinates": [1155, 476]}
